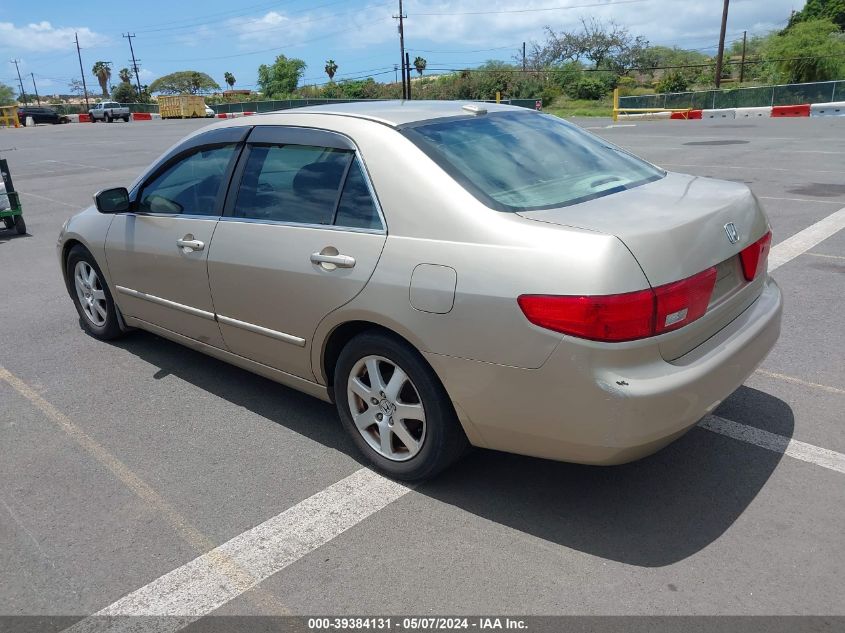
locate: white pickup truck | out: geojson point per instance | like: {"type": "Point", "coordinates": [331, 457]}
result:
{"type": "Point", "coordinates": [108, 111]}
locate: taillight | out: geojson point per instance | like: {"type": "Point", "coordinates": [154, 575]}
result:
{"type": "Point", "coordinates": [623, 317]}
{"type": "Point", "coordinates": [755, 257]}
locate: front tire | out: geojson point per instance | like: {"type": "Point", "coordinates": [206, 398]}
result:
{"type": "Point", "coordinates": [20, 225]}
{"type": "Point", "coordinates": [91, 295]}
{"type": "Point", "coordinates": [393, 406]}
{"type": "Point", "coordinates": [107, 117]}
{"type": "Point", "coordinates": [9, 222]}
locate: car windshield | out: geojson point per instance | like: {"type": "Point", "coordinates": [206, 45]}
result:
{"type": "Point", "coordinates": [513, 161]}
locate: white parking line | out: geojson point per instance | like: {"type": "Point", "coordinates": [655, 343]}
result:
{"type": "Point", "coordinates": [800, 200]}
{"type": "Point", "coordinates": [198, 587]}
{"type": "Point", "coordinates": [804, 240]}
{"type": "Point", "coordinates": [774, 442]}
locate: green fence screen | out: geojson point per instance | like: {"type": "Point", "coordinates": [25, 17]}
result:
{"type": "Point", "coordinates": [789, 94]}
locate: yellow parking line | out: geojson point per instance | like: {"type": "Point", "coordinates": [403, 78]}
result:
{"type": "Point", "coordinates": [138, 486]}
{"type": "Point", "coordinates": [798, 381]}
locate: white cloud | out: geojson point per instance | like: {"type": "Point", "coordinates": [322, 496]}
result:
{"type": "Point", "coordinates": [274, 28]}
{"type": "Point", "coordinates": [43, 36]}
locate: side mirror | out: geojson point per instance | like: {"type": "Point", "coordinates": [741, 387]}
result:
{"type": "Point", "coordinates": [112, 200]}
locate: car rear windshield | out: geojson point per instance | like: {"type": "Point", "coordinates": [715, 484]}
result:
{"type": "Point", "coordinates": [514, 161]}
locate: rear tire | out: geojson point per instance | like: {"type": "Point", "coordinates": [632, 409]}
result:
{"type": "Point", "coordinates": [126, 119]}
{"type": "Point", "coordinates": [20, 225]}
{"type": "Point", "coordinates": [91, 296]}
{"type": "Point", "coordinates": [405, 423]}
{"type": "Point", "coordinates": [9, 222]}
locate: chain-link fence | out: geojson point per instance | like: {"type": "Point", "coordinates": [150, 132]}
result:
{"type": "Point", "coordinates": [251, 106]}
{"type": "Point", "coordinates": [788, 94]}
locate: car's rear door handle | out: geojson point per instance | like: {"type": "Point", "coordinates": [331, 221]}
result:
{"type": "Point", "coordinates": [187, 244]}
{"type": "Point", "coordinates": [338, 261]}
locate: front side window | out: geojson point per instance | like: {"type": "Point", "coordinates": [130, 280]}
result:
{"type": "Point", "coordinates": [305, 184]}
{"type": "Point", "coordinates": [189, 186]}
{"type": "Point", "coordinates": [514, 161]}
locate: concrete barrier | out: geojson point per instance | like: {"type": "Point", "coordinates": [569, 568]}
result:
{"type": "Point", "coordinates": [719, 113]}
{"type": "Point", "coordinates": [73, 118]}
{"type": "Point", "coordinates": [753, 113]}
{"type": "Point", "coordinates": [836, 108]}
{"type": "Point", "coordinates": [85, 118]}
{"type": "Point", "coordinates": [142, 116]}
{"type": "Point", "coordinates": [686, 116]}
{"type": "Point", "coordinates": [791, 110]}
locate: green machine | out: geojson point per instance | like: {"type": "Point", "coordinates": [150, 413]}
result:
{"type": "Point", "coordinates": [11, 213]}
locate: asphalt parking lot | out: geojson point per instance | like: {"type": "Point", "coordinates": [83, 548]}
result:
{"type": "Point", "coordinates": [120, 463]}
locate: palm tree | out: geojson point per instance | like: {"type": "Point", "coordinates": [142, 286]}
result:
{"type": "Point", "coordinates": [229, 78]}
{"type": "Point", "coordinates": [103, 73]}
{"type": "Point", "coordinates": [420, 64]}
{"type": "Point", "coordinates": [125, 75]}
{"type": "Point", "coordinates": [331, 69]}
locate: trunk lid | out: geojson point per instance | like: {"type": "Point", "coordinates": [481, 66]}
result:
{"type": "Point", "coordinates": [675, 228]}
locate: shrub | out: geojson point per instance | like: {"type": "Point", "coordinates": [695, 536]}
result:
{"type": "Point", "coordinates": [589, 88]}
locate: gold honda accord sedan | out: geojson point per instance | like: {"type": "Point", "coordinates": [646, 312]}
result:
{"type": "Point", "coordinates": [448, 274]}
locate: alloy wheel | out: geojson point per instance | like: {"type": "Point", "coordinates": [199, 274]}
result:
{"type": "Point", "coordinates": [386, 408]}
{"type": "Point", "coordinates": [90, 293]}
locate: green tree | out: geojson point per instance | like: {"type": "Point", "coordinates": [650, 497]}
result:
{"type": "Point", "coordinates": [331, 68]}
{"type": "Point", "coordinates": [229, 78]}
{"type": "Point", "coordinates": [125, 92]}
{"type": "Point", "coordinates": [281, 78]}
{"type": "Point", "coordinates": [102, 71]}
{"type": "Point", "coordinates": [7, 94]}
{"type": "Point", "coordinates": [420, 64]}
{"type": "Point", "coordinates": [673, 82]}
{"type": "Point", "coordinates": [833, 10]}
{"type": "Point", "coordinates": [125, 75]}
{"type": "Point", "coordinates": [184, 82]}
{"type": "Point", "coordinates": [808, 51]}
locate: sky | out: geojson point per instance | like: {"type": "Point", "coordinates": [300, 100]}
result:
{"type": "Point", "coordinates": [216, 36]}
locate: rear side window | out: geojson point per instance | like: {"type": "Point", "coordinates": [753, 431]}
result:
{"type": "Point", "coordinates": [189, 186]}
{"type": "Point", "coordinates": [357, 208]}
{"type": "Point", "coordinates": [305, 184]}
{"type": "Point", "coordinates": [513, 161]}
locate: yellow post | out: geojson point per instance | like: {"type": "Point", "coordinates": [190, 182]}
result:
{"type": "Point", "coordinates": [498, 97]}
{"type": "Point", "coordinates": [615, 105]}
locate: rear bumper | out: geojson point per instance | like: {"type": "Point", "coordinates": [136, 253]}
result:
{"type": "Point", "coordinates": [601, 404]}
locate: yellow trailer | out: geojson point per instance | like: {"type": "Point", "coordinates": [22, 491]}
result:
{"type": "Point", "coordinates": [181, 107]}
{"type": "Point", "coordinates": [9, 116]}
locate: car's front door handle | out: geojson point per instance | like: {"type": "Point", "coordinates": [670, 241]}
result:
{"type": "Point", "coordinates": [333, 261]}
{"type": "Point", "coordinates": [187, 244]}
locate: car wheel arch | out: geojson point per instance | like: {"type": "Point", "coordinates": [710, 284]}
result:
{"type": "Point", "coordinates": [341, 334]}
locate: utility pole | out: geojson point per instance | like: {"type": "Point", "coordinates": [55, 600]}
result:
{"type": "Point", "coordinates": [20, 81]}
{"type": "Point", "coordinates": [35, 88]}
{"type": "Point", "coordinates": [395, 73]}
{"type": "Point", "coordinates": [134, 62]}
{"type": "Point", "coordinates": [408, 69]}
{"type": "Point", "coordinates": [721, 54]}
{"type": "Point", "coordinates": [405, 87]}
{"type": "Point", "coordinates": [742, 63]}
{"type": "Point", "coordinates": [523, 57]}
{"type": "Point", "coordinates": [82, 72]}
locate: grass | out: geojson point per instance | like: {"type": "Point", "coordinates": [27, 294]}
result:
{"type": "Point", "coordinates": [566, 107]}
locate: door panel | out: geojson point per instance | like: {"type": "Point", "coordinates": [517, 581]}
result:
{"type": "Point", "coordinates": [157, 254]}
{"type": "Point", "coordinates": [280, 260]}
{"type": "Point", "coordinates": [262, 275]}
{"type": "Point", "coordinates": [159, 281]}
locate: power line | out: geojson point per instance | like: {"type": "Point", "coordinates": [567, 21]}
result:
{"type": "Point", "coordinates": [574, 6]}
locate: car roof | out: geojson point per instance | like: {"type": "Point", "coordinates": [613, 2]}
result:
{"type": "Point", "coordinates": [396, 113]}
